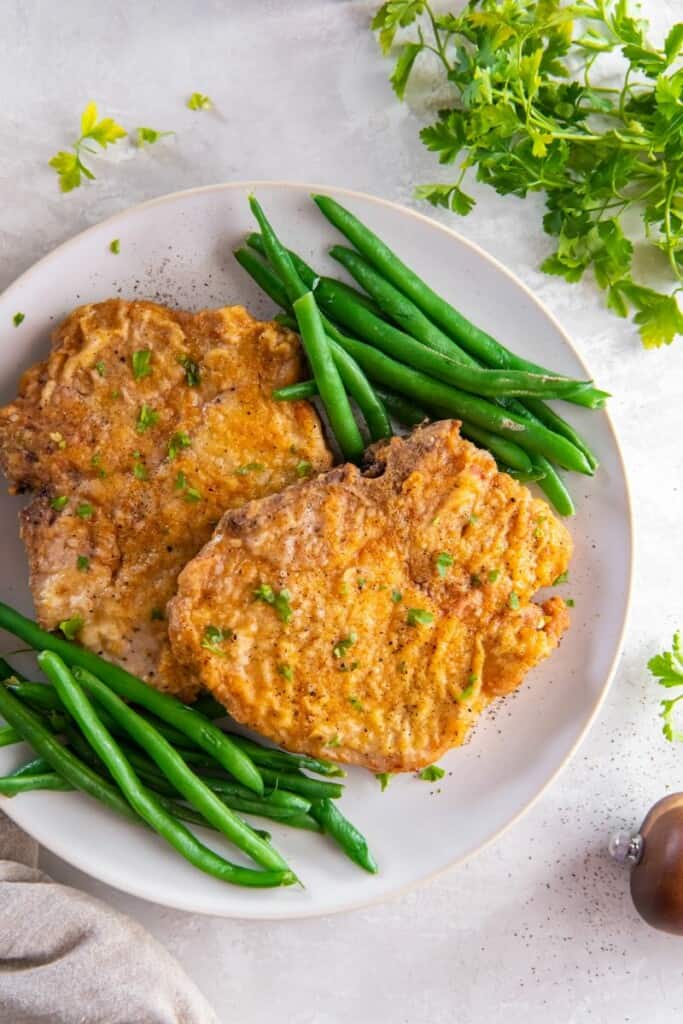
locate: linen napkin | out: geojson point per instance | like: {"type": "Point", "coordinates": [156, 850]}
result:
{"type": "Point", "coordinates": [67, 958]}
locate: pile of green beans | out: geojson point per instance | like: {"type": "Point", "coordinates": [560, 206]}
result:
{"type": "Point", "coordinates": [97, 729]}
{"type": "Point", "coordinates": [415, 357]}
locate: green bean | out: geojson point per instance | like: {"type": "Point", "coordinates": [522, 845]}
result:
{"type": "Point", "coordinates": [143, 802]}
{"type": "Point", "coordinates": [534, 476]}
{"type": "Point", "coordinates": [508, 452]}
{"type": "Point", "coordinates": [296, 392]}
{"type": "Point", "coordinates": [278, 257]}
{"type": "Point", "coordinates": [6, 670]}
{"type": "Point", "coordinates": [307, 274]}
{"type": "Point", "coordinates": [448, 401]}
{"type": "Point", "coordinates": [550, 419]}
{"type": "Point", "coordinates": [269, 282]}
{"type": "Point", "coordinates": [476, 341]}
{"type": "Point", "coordinates": [8, 736]}
{"type": "Point", "coordinates": [327, 378]}
{"type": "Point", "coordinates": [167, 760]}
{"type": "Point", "coordinates": [10, 785]}
{"type": "Point", "coordinates": [188, 721]}
{"type": "Point", "coordinates": [333, 297]}
{"type": "Point", "coordinates": [283, 760]}
{"type": "Point", "coordinates": [313, 789]}
{"type": "Point", "coordinates": [405, 412]}
{"type": "Point", "coordinates": [36, 766]}
{"type": "Point", "coordinates": [207, 705]}
{"type": "Point", "coordinates": [346, 835]}
{"type": "Point", "coordinates": [38, 695]}
{"type": "Point", "coordinates": [554, 489]}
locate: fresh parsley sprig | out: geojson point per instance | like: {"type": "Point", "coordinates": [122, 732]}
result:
{"type": "Point", "coordinates": [69, 164]}
{"type": "Point", "coordinates": [667, 668]}
{"type": "Point", "coordinates": [530, 115]}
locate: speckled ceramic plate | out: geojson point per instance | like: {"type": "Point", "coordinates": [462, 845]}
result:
{"type": "Point", "coordinates": [178, 250]}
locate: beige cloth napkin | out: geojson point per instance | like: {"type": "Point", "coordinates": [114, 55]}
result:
{"type": "Point", "coordinates": [67, 958]}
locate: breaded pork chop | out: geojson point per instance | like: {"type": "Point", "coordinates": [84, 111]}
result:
{"type": "Point", "coordinates": [141, 428]}
{"type": "Point", "coordinates": [370, 616]}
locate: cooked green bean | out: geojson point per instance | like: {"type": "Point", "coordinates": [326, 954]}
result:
{"type": "Point", "coordinates": [553, 487]}
{"type": "Point", "coordinates": [169, 762]}
{"type": "Point", "coordinates": [507, 451]}
{"type": "Point", "coordinates": [207, 705]}
{"type": "Point", "coordinates": [38, 695]}
{"type": "Point", "coordinates": [6, 670]}
{"type": "Point", "coordinates": [36, 766]}
{"type": "Point", "coordinates": [550, 419]}
{"type": "Point", "coordinates": [296, 392]}
{"type": "Point", "coordinates": [346, 835]}
{"type": "Point", "coordinates": [448, 401]}
{"type": "Point", "coordinates": [188, 721]}
{"type": "Point", "coordinates": [312, 789]}
{"type": "Point", "coordinates": [282, 760]}
{"type": "Point", "coordinates": [278, 257]}
{"type": "Point", "coordinates": [8, 736]}
{"type": "Point", "coordinates": [334, 298]}
{"type": "Point", "coordinates": [327, 377]}
{"type": "Point", "coordinates": [269, 282]}
{"type": "Point", "coordinates": [143, 802]}
{"type": "Point", "coordinates": [477, 342]}
{"type": "Point", "coordinates": [405, 412]}
{"type": "Point", "coordinates": [11, 785]}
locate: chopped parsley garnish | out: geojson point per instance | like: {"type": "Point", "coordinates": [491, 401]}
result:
{"type": "Point", "coordinates": [361, 581]}
{"type": "Point", "coordinates": [96, 461]}
{"type": "Point", "coordinates": [59, 503]}
{"type": "Point", "coordinates": [178, 441]}
{"type": "Point", "coordinates": [467, 692]}
{"type": "Point", "coordinates": [286, 672]}
{"type": "Point", "coordinates": [18, 319]}
{"type": "Point", "coordinates": [156, 615]}
{"type": "Point", "coordinates": [249, 467]}
{"type": "Point", "coordinates": [334, 742]}
{"type": "Point", "coordinates": [342, 646]}
{"type": "Point", "coordinates": [344, 588]}
{"type": "Point", "coordinates": [84, 510]}
{"type": "Point", "coordinates": [189, 493]}
{"type": "Point", "coordinates": [418, 616]}
{"type": "Point", "coordinates": [180, 481]}
{"type": "Point", "coordinates": [70, 627]}
{"type": "Point", "coordinates": [140, 471]}
{"type": "Point", "coordinates": [473, 519]}
{"type": "Point", "coordinates": [279, 601]}
{"type": "Point", "coordinates": [192, 494]}
{"type": "Point", "coordinates": [443, 563]}
{"type": "Point", "coordinates": [432, 773]}
{"type": "Point", "coordinates": [570, 602]}
{"type": "Point", "coordinates": [303, 468]}
{"type": "Point", "coordinates": [83, 563]}
{"type": "Point", "coordinates": [472, 678]}
{"type": "Point", "coordinates": [101, 367]}
{"type": "Point", "coordinates": [142, 360]}
{"type": "Point", "coordinates": [384, 778]}
{"type": "Point", "coordinates": [493, 575]}
{"type": "Point", "coordinates": [148, 136]}
{"type": "Point", "coordinates": [213, 636]}
{"type": "Point", "coordinates": [396, 596]}
{"type": "Point", "coordinates": [513, 600]}
{"type": "Point", "coordinates": [198, 101]}
{"type": "Point", "coordinates": [115, 246]}
{"type": "Point", "coordinates": [356, 704]}
{"type": "Point", "coordinates": [191, 369]}
{"type": "Point", "coordinates": [147, 418]}
{"type": "Point", "coordinates": [562, 578]}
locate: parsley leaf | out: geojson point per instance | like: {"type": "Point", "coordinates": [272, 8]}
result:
{"type": "Point", "coordinates": [179, 440]}
{"type": "Point", "coordinates": [83, 563]}
{"type": "Point", "coordinates": [115, 246]}
{"type": "Point", "coordinates": [59, 503]}
{"type": "Point", "coordinates": [418, 616]}
{"type": "Point", "coordinates": [18, 319]}
{"type": "Point", "coordinates": [68, 165]}
{"type": "Point", "coordinates": [84, 510]}
{"type": "Point", "coordinates": [384, 778]}
{"type": "Point", "coordinates": [303, 468]}
{"type": "Point", "coordinates": [213, 637]}
{"type": "Point", "coordinates": [148, 136]}
{"type": "Point", "coordinates": [191, 368]}
{"type": "Point", "coordinates": [70, 627]}
{"type": "Point", "coordinates": [522, 114]}
{"type": "Point", "coordinates": [443, 563]}
{"type": "Point", "coordinates": [286, 672]}
{"type": "Point", "coordinates": [147, 418]}
{"type": "Point", "coordinates": [342, 646]}
{"type": "Point", "coordinates": [141, 362]}
{"type": "Point", "coordinates": [198, 101]}
{"type": "Point", "coordinates": [513, 600]}
{"type": "Point", "coordinates": [249, 467]}
{"type": "Point", "coordinates": [279, 600]}
{"type": "Point", "coordinates": [432, 773]}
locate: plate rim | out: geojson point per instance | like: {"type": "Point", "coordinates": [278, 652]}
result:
{"type": "Point", "coordinates": [293, 913]}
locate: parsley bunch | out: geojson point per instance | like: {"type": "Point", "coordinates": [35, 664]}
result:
{"type": "Point", "coordinates": [531, 115]}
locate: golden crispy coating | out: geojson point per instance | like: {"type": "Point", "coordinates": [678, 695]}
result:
{"type": "Point", "coordinates": [410, 590]}
{"type": "Point", "coordinates": [138, 431]}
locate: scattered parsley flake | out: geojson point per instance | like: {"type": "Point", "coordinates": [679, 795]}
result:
{"type": "Point", "coordinates": [513, 600]}
{"type": "Point", "coordinates": [18, 319]}
{"type": "Point", "coordinates": [191, 368]}
{"type": "Point", "coordinates": [570, 602]}
{"type": "Point", "coordinates": [70, 627]}
{"type": "Point", "coordinates": [334, 742]}
{"type": "Point", "coordinates": [140, 471]}
{"type": "Point", "coordinates": [83, 563]}
{"type": "Point", "coordinates": [249, 467]}
{"type": "Point", "coordinates": [279, 601]}
{"type": "Point", "coordinates": [384, 778]}
{"type": "Point", "coordinates": [342, 646]}
{"type": "Point", "coordinates": [443, 563]}
{"type": "Point", "coordinates": [493, 575]}
{"type": "Point", "coordinates": [418, 616]}
{"type": "Point", "coordinates": [467, 692]}
{"type": "Point", "coordinates": [356, 704]}
{"type": "Point", "coordinates": [148, 136]}
{"type": "Point", "coordinates": [141, 362]}
{"type": "Point", "coordinates": [214, 636]}
{"type": "Point", "coordinates": [303, 468]}
{"type": "Point", "coordinates": [432, 773]}
{"type": "Point", "coordinates": [115, 246]}
{"type": "Point", "coordinates": [68, 164]}
{"type": "Point", "coordinates": [192, 494]}
{"type": "Point", "coordinates": [396, 596]}
{"type": "Point", "coordinates": [84, 510]}
{"type": "Point", "coordinates": [562, 578]}
{"type": "Point", "coordinates": [286, 672]}
{"type": "Point", "coordinates": [473, 519]}
{"type": "Point", "coordinates": [178, 441]}
{"type": "Point", "coordinates": [198, 101]}
{"type": "Point", "coordinates": [59, 503]}
{"type": "Point", "coordinates": [180, 482]}
{"type": "Point", "coordinates": [101, 368]}
{"type": "Point", "coordinates": [147, 418]}
{"type": "Point", "coordinates": [361, 582]}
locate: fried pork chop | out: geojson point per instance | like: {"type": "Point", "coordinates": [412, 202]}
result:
{"type": "Point", "coordinates": [137, 433]}
{"type": "Point", "coordinates": [371, 616]}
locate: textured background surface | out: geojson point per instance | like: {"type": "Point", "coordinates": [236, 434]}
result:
{"type": "Point", "coordinates": [539, 928]}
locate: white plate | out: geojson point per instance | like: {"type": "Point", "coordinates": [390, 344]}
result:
{"type": "Point", "coordinates": [178, 250]}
